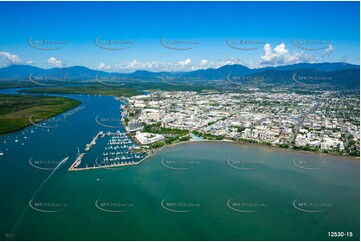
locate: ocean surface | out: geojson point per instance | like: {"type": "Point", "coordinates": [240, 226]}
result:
{"type": "Point", "coordinates": [194, 191]}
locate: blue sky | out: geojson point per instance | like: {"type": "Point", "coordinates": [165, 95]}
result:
{"type": "Point", "coordinates": [193, 34]}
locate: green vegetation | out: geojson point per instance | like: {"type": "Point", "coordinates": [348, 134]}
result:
{"type": "Point", "coordinates": [10, 83]}
{"type": "Point", "coordinates": [202, 86]}
{"type": "Point", "coordinates": [156, 129]}
{"type": "Point", "coordinates": [352, 147]}
{"type": "Point", "coordinates": [240, 129]}
{"type": "Point", "coordinates": [157, 145]}
{"type": "Point", "coordinates": [306, 148]}
{"type": "Point", "coordinates": [133, 114]}
{"type": "Point", "coordinates": [286, 146]}
{"type": "Point", "coordinates": [15, 110]}
{"type": "Point", "coordinates": [251, 141]}
{"type": "Point", "coordinates": [93, 89]}
{"type": "Point", "coordinates": [184, 138]}
{"type": "Point", "coordinates": [171, 135]}
{"type": "Point", "coordinates": [176, 139]}
{"type": "Point", "coordinates": [208, 136]}
{"type": "Point", "coordinates": [126, 121]}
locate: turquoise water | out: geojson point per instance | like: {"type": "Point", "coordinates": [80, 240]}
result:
{"type": "Point", "coordinates": [193, 191]}
{"type": "Point", "coordinates": [196, 138]}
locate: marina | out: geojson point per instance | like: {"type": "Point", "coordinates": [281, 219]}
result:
{"type": "Point", "coordinates": [117, 152]}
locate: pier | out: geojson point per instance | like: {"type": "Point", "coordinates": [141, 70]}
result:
{"type": "Point", "coordinates": [107, 166]}
{"type": "Point", "coordinates": [77, 162]}
{"type": "Point", "coordinates": [94, 141]}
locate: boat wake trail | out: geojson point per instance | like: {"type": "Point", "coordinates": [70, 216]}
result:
{"type": "Point", "coordinates": [22, 215]}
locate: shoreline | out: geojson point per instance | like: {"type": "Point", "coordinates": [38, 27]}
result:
{"type": "Point", "coordinates": [265, 147]}
{"type": "Point", "coordinates": [239, 143]}
{"type": "Point", "coordinates": [182, 142]}
{"type": "Point", "coordinates": [152, 152]}
{"type": "Point", "coordinates": [45, 119]}
{"type": "Point", "coordinates": [229, 142]}
{"type": "Point", "coordinates": [354, 159]}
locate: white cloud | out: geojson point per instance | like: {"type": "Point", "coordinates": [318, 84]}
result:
{"type": "Point", "coordinates": [185, 62]}
{"type": "Point", "coordinates": [203, 62]}
{"type": "Point", "coordinates": [229, 61]}
{"type": "Point", "coordinates": [156, 66]}
{"type": "Point", "coordinates": [10, 59]}
{"type": "Point", "coordinates": [53, 61]}
{"type": "Point", "coordinates": [102, 66]}
{"type": "Point", "coordinates": [280, 56]}
{"type": "Point", "coordinates": [149, 66]}
{"type": "Point", "coordinates": [328, 51]}
{"type": "Point", "coordinates": [134, 64]}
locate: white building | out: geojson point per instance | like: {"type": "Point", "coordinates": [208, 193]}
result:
{"type": "Point", "coordinates": [150, 115]}
{"type": "Point", "coordinates": [330, 144]}
{"type": "Point", "coordinates": [301, 140]}
{"type": "Point", "coordinates": [148, 138]}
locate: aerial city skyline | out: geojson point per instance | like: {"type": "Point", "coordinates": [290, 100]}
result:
{"type": "Point", "coordinates": [180, 121]}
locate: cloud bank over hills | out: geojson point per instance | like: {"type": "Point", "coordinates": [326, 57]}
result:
{"type": "Point", "coordinates": [272, 56]}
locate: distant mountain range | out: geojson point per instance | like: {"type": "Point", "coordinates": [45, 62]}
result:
{"type": "Point", "coordinates": [342, 74]}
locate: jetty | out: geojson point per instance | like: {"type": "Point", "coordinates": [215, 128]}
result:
{"type": "Point", "coordinates": [107, 166]}
{"type": "Point", "coordinates": [94, 141]}
{"type": "Point", "coordinates": [77, 162]}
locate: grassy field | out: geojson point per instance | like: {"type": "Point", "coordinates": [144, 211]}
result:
{"type": "Point", "coordinates": [92, 89]}
{"type": "Point", "coordinates": [15, 110]}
